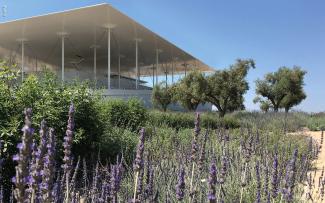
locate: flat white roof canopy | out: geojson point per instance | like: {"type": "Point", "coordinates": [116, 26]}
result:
{"type": "Point", "coordinates": [84, 28]}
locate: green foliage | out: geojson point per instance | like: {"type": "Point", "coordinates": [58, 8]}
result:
{"type": "Point", "coordinates": [265, 105]}
{"type": "Point", "coordinates": [180, 120]}
{"type": "Point", "coordinates": [129, 114]}
{"type": "Point", "coordinates": [189, 90]}
{"type": "Point", "coordinates": [162, 95]}
{"type": "Point", "coordinates": [116, 140]}
{"type": "Point", "coordinates": [227, 87]}
{"type": "Point", "coordinates": [49, 100]}
{"type": "Point", "coordinates": [283, 89]}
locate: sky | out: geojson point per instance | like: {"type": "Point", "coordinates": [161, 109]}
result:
{"type": "Point", "coordinates": [274, 33]}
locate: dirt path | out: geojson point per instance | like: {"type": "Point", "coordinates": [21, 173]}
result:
{"type": "Point", "coordinates": [313, 191]}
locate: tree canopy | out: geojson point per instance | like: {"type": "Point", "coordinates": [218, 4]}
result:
{"type": "Point", "coordinates": [189, 91]}
{"type": "Point", "coordinates": [283, 88]}
{"type": "Point", "coordinates": [225, 88]}
{"type": "Point", "coordinates": [162, 95]}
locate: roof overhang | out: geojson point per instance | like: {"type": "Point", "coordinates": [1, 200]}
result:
{"type": "Point", "coordinates": [86, 27]}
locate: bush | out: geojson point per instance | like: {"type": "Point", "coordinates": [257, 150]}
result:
{"type": "Point", "coordinates": [162, 96]}
{"type": "Point", "coordinates": [50, 101]}
{"type": "Point", "coordinates": [129, 114]}
{"type": "Point", "coordinates": [115, 141]}
{"type": "Point", "coordinates": [186, 120]}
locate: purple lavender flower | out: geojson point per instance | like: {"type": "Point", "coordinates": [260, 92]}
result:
{"type": "Point", "coordinates": [149, 185]}
{"type": "Point", "coordinates": [202, 154]}
{"type": "Point", "coordinates": [197, 130]}
{"type": "Point", "coordinates": [266, 181]}
{"type": "Point", "coordinates": [24, 158]}
{"type": "Point", "coordinates": [258, 183]}
{"type": "Point", "coordinates": [180, 187]}
{"type": "Point", "coordinates": [68, 142]}
{"type": "Point", "coordinates": [67, 145]}
{"type": "Point", "coordinates": [48, 171]}
{"type": "Point", "coordinates": [116, 173]}
{"type": "Point", "coordinates": [140, 186]}
{"type": "Point", "coordinates": [274, 181]}
{"type": "Point", "coordinates": [138, 166]}
{"type": "Point", "coordinates": [290, 177]}
{"type": "Point", "coordinates": [212, 183]}
{"type": "Point", "coordinates": [138, 162]}
{"type": "Point", "coordinates": [38, 161]}
{"type": "Point", "coordinates": [74, 176]}
{"type": "Point", "coordinates": [223, 170]}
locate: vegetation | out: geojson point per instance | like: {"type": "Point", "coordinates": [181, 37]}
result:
{"type": "Point", "coordinates": [282, 89]}
{"type": "Point", "coordinates": [162, 96]}
{"type": "Point", "coordinates": [224, 89]}
{"type": "Point", "coordinates": [227, 87]}
{"type": "Point", "coordinates": [189, 91]}
{"type": "Point", "coordinates": [75, 146]}
{"type": "Point", "coordinates": [243, 165]}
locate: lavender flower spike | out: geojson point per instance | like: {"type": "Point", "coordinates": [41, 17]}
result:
{"type": "Point", "coordinates": [180, 187]}
{"type": "Point", "coordinates": [258, 183]}
{"type": "Point", "coordinates": [68, 142]}
{"type": "Point", "coordinates": [67, 160]}
{"type": "Point", "coordinates": [138, 162]}
{"type": "Point", "coordinates": [48, 171]}
{"type": "Point", "coordinates": [116, 173]}
{"type": "Point", "coordinates": [24, 158]}
{"type": "Point", "coordinates": [274, 181]}
{"type": "Point", "coordinates": [212, 183]}
{"type": "Point", "coordinates": [197, 130]}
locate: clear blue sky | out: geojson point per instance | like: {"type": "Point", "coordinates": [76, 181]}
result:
{"type": "Point", "coordinates": [273, 33]}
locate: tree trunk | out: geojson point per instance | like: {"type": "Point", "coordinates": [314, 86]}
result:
{"type": "Point", "coordinates": [276, 109]}
{"type": "Point", "coordinates": [287, 109]}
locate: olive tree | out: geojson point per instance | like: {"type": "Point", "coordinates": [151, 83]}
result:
{"type": "Point", "coordinates": [162, 95]}
{"type": "Point", "coordinates": [283, 88]}
{"type": "Point", "coordinates": [225, 88]}
{"type": "Point", "coordinates": [189, 91]}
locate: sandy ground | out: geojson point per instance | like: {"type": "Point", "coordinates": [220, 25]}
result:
{"type": "Point", "coordinates": [313, 193]}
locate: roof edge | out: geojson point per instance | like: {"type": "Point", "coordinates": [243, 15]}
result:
{"type": "Point", "coordinates": [55, 12]}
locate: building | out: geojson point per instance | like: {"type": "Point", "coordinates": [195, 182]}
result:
{"type": "Point", "coordinates": [98, 43]}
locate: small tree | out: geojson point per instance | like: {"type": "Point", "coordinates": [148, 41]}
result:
{"type": "Point", "coordinates": [225, 88]}
{"type": "Point", "coordinates": [162, 95]}
{"type": "Point", "coordinates": [283, 89]}
{"type": "Point", "coordinates": [189, 90]}
{"type": "Point", "coordinates": [265, 105]}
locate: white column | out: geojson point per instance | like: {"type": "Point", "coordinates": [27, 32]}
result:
{"type": "Point", "coordinates": [22, 59]}
{"type": "Point", "coordinates": [157, 63]}
{"type": "Point", "coordinates": [109, 58]}
{"type": "Point", "coordinates": [153, 75]}
{"type": "Point", "coordinates": [22, 68]}
{"type": "Point", "coordinates": [137, 40]}
{"type": "Point", "coordinates": [136, 65]}
{"type": "Point", "coordinates": [166, 66]}
{"type": "Point", "coordinates": [95, 65]}
{"type": "Point", "coordinates": [173, 66]}
{"type": "Point", "coordinates": [62, 57]}
{"type": "Point", "coordinates": [95, 47]}
{"type": "Point", "coordinates": [63, 35]}
{"type": "Point", "coordinates": [119, 70]}
{"type": "Point", "coordinates": [109, 28]}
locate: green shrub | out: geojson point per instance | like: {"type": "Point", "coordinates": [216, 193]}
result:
{"type": "Point", "coordinates": [129, 114]}
{"type": "Point", "coordinates": [180, 120]}
{"type": "Point", "coordinates": [50, 100]}
{"type": "Point", "coordinates": [115, 141]}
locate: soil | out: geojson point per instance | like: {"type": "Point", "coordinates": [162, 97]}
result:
{"type": "Point", "coordinates": [313, 192]}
